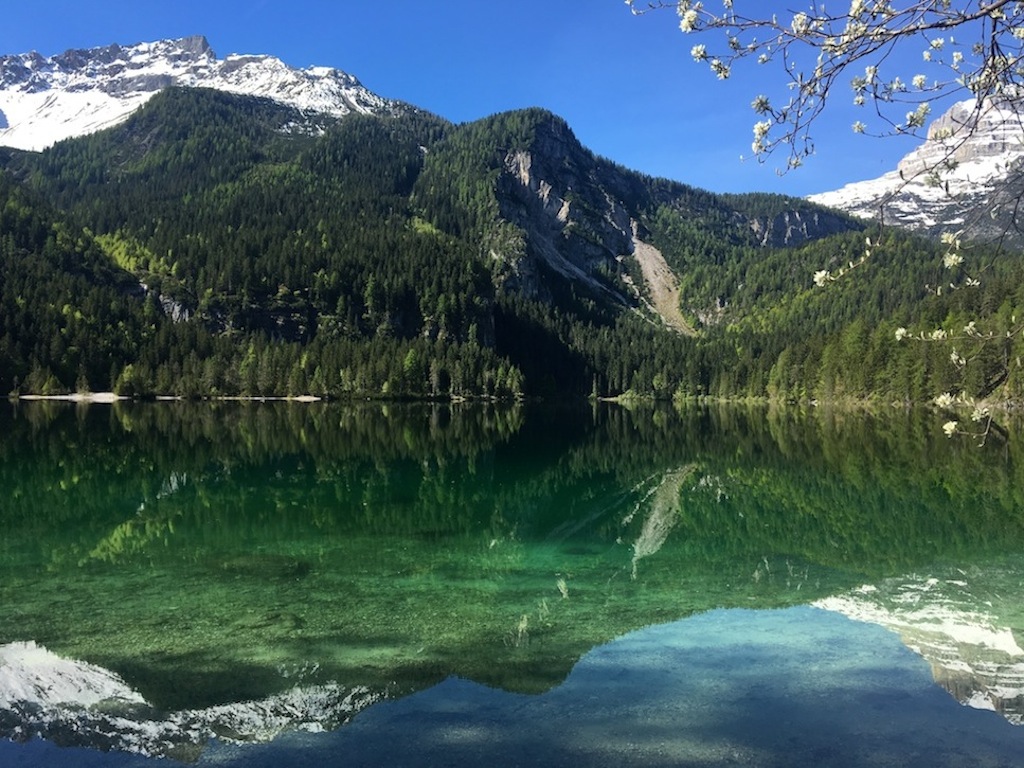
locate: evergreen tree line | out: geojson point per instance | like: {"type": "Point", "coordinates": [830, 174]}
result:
{"type": "Point", "coordinates": [360, 262]}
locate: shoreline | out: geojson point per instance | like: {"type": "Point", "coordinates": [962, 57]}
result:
{"type": "Point", "coordinates": [626, 400]}
{"type": "Point", "coordinates": [112, 397]}
{"type": "Point", "coordinates": [78, 397]}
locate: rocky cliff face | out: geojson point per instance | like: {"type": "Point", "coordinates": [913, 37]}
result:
{"type": "Point", "coordinates": [580, 219]}
{"type": "Point", "coordinates": [966, 176]}
{"type": "Point", "coordinates": [791, 228]}
{"type": "Point", "coordinates": [573, 226]}
{"type": "Point", "coordinates": [583, 218]}
{"type": "Point", "coordinates": [44, 100]}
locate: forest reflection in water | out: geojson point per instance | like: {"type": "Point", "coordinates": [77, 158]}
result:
{"type": "Point", "coordinates": [319, 558]}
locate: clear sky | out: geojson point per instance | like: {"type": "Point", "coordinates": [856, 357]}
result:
{"type": "Point", "coordinates": [626, 84]}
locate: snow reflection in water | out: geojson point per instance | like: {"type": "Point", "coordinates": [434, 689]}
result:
{"type": "Point", "coordinates": [980, 663]}
{"type": "Point", "coordinates": [74, 703]}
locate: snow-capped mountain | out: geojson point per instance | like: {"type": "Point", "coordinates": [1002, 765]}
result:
{"type": "Point", "coordinates": [963, 177]}
{"type": "Point", "coordinates": [44, 100]}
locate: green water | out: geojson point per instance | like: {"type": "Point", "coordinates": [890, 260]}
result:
{"type": "Point", "coordinates": [211, 554]}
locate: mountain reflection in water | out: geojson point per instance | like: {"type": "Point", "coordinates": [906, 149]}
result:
{"type": "Point", "coordinates": [954, 629]}
{"type": "Point", "coordinates": [789, 687]}
{"type": "Point", "coordinates": [249, 571]}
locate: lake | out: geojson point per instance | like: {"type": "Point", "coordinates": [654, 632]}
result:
{"type": "Point", "coordinates": [236, 584]}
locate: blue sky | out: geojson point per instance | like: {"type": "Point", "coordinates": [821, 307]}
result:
{"type": "Point", "coordinates": [626, 84]}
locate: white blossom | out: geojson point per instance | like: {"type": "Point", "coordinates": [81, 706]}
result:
{"type": "Point", "coordinates": [761, 129]}
{"type": "Point", "coordinates": [699, 52]}
{"type": "Point", "coordinates": [901, 333]}
{"type": "Point", "coordinates": [952, 260]}
{"type": "Point", "coordinates": [945, 400]}
{"type": "Point", "coordinates": [688, 21]}
{"type": "Point", "coordinates": [950, 428]}
{"type": "Point", "coordinates": [821, 277]}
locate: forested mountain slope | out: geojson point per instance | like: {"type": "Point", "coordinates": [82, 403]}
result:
{"type": "Point", "coordinates": [402, 255]}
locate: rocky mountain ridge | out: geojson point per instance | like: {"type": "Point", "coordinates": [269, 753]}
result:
{"type": "Point", "coordinates": [568, 213]}
{"type": "Point", "coordinates": [573, 213]}
{"type": "Point", "coordinates": [46, 99]}
{"type": "Point", "coordinates": [962, 178]}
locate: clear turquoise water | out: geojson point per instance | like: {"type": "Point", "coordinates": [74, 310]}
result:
{"type": "Point", "coordinates": [524, 586]}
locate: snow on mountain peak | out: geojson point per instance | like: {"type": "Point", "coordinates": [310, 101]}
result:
{"type": "Point", "coordinates": [955, 179]}
{"type": "Point", "coordinates": [46, 99]}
